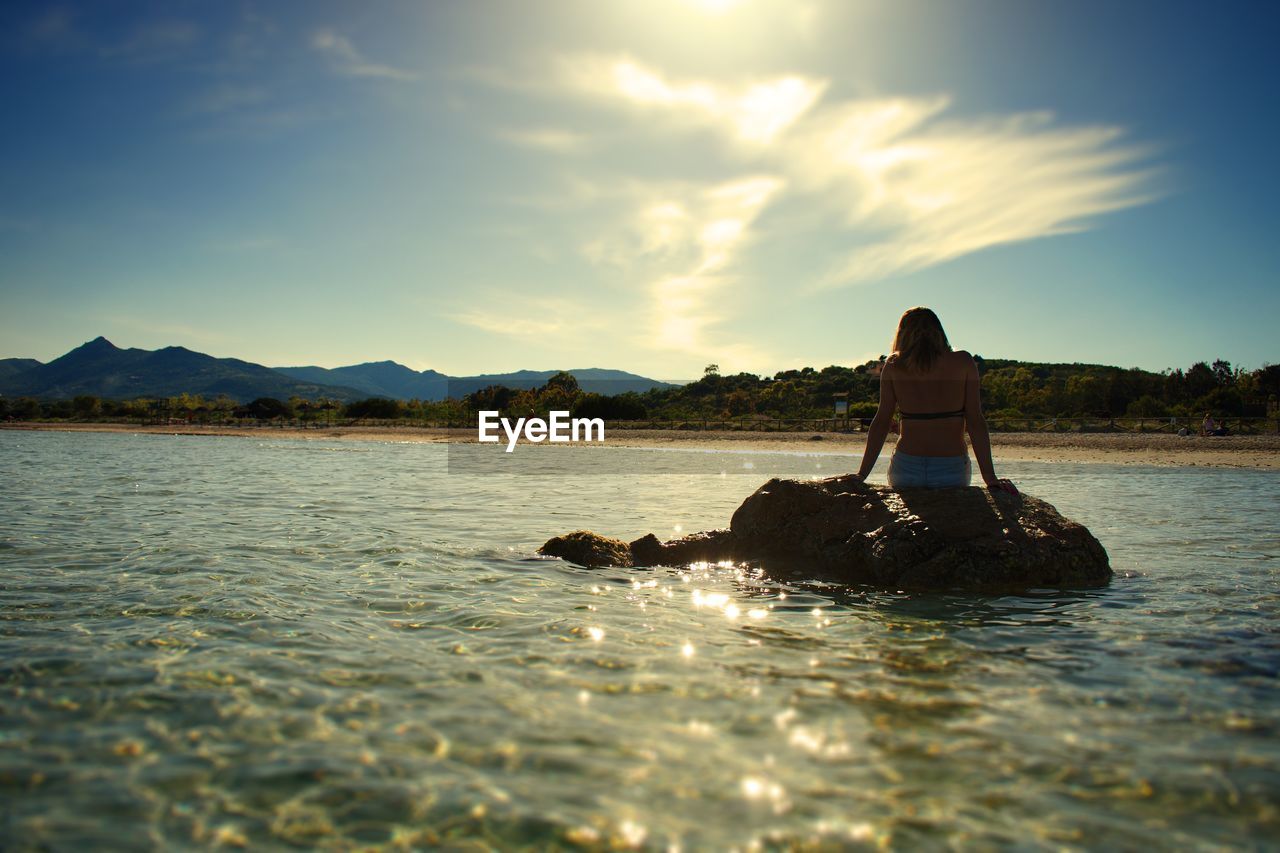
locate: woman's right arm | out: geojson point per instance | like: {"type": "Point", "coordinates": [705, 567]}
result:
{"type": "Point", "coordinates": [879, 424]}
{"type": "Point", "coordinates": [976, 424]}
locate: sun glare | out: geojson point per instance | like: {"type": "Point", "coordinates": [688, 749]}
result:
{"type": "Point", "coordinates": [713, 7]}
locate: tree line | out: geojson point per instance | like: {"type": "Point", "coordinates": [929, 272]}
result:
{"type": "Point", "coordinates": [1010, 389]}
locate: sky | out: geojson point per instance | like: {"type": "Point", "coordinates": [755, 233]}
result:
{"type": "Point", "coordinates": [651, 186]}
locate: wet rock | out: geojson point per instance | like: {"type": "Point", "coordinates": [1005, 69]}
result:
{"type": "Point", "coordinates": [845, 531]}
{"type": "Point", "coordinates": [963, 538]}
{"type": "Point", "coordinates": [588, 549]}
{"type": "Point", "coordinates": [709, 546]}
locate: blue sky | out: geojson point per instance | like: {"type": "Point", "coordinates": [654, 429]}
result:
{"type": "Point", "coordinates": [653, 186]}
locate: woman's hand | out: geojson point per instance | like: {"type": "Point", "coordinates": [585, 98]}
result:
{"type": "Point", "coordinates": [1002, 485]}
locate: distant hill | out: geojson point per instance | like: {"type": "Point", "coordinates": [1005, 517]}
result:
{"type": "Point", "coordinates": [102, 369]}
{"type": "Point", "coordinates": [595, 380]}
{"type": "Point", "coordinates": [389, 379]}
{"type": "Point", "coordinates": [13, 366]}
{"type": "Point", "coordinates": [378, 379]}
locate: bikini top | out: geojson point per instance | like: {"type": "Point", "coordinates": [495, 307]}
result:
{"type": "Point", "coordinates": [929, 416]}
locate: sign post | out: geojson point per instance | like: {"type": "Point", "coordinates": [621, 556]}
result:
{"type": "Point", "coordinates": [842, 408]}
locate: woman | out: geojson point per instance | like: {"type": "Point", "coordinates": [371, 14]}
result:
{"type": "Point", "coordinates": [936, 389]}
{"type": "Point", "coordinates": [1209, 426]}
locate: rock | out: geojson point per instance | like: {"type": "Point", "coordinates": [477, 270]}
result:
{"type": "Point", "coordinates": [963, 538]}
{"type": "Point", "coordinates": [845, 531]}
{"type": "Point", "coordinates": [588, 549]}
{"type": "Point", "coordinates": [711, 546]}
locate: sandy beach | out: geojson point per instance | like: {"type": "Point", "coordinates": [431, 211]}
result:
{"type": "Point", "coordinates": [1252, 451]}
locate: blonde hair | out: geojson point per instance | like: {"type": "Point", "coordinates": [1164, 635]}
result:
{"type": "Point", "coordinates": [920, 340]}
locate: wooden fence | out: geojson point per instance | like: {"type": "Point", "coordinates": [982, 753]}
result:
{"type": "Point", "coordinates": [1235, 426]}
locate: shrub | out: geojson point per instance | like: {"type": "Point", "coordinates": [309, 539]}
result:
{"type": "Point", "coordinates": [375, 407]}
{"type": "Point", "coordinates": [266, 408]}
{"type": "Point", "coordinates": [1147, 406]}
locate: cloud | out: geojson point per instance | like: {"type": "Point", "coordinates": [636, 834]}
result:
{"type": "Point", "coordinates": [925, 191]}
{"type": "Point", "coordinates": [899, 184]}
{"type": "Point", "coordinates": [161, 41]}
{"type": "Point", "coordinates": [755, 112]}
{"type": "Point", "coordinates": [226, 98]}
{"type": "Point", "coordinates": [53, 30]}
{"type": "Point", "coordinates": [546, 139]}
{"type": "Point", "coordinates": [59, 30]}
{"type": "Point", "coordinates": [714, 226]}
{"type": "Point", "coordinates": [534, 319]}
{"type": "Point", "coordinates": [912, 187]}
{"type": "Point", "coordinates": [683, 242]}
{"type": "Point", "coordinates": [349, 62]}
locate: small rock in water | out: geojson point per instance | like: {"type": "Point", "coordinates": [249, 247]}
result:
{"type": "Point", "coordinates": [845, 531]}
{"type": "Point", "coordinates": [588, 549]}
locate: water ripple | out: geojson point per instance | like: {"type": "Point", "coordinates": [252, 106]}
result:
{"type": "Point", "coordinates": [269, 643]}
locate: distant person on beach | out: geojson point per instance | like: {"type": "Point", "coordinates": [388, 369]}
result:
{"type": "Point", "coordinates": [935, 391]}
{"type": "Point", "coordinates": [1210, 427]}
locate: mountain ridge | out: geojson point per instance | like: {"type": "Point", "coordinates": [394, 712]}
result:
{"type": "Point", "coordinates": [100, 368]}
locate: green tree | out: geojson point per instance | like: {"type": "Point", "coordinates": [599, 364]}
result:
{"type": "Point", "coordinates": [1200, 380]}
{"type": "Point", "coordinates": [1147, 406]}
{"type": "Point", "coordinates": [86, 406]}
{"type": "Point", "coordinates": [267, 408]}
{"type": "Point", "coordinates": [739, 402]}
{"type": "Point", "coordinates": [491, 398]}
{"type": "Point", "coordinates": [379, 408]}
{"type": "Point", "coordinates": [1222, 373]}
{"type": "Point", "coordinates": [560, 393]}
{"type": "Point", "coordinates": [25, 409]}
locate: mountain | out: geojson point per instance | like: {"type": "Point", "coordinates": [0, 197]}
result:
{"type": "Point", "coordinates": [378, 379]}
{"type": "Point", "coordinates": [102, 369]}
{"type": "Point", "coordinates": [10, 367]}
{"type": "Point", "coordinates": [389, 379]}
{"type": "Point", "coordinates": [596, 380]}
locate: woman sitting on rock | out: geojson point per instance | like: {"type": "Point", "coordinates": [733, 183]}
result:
{"type": "Point", "coordinates": [935, 389]}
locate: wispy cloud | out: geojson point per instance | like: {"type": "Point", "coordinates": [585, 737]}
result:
{"type": "Point", "coordinates": [546, 139]}
{"type": "Point", "coordinates": [53, 30]}
{"type": "Point", "coordinates": [922, 191]}
{"type": "Point", "coordinates": [530, 318]}
{"type": "Point", "coordinates": [905, 182]}
{"type": "Point", "coordinates": [687, 240]}
{"type": "Point", "coordinates": [913, 187]}
{"type": "Point", "coordinates": [60, 29]}
{"type": "Point", "coordinates": [346, 60]}
{"type": "Point", "coordinates": [757, 112]}
{"type": "Point", "coordinates": [226, 98]}
{"type": "Point", "coordinates": [161, 41]}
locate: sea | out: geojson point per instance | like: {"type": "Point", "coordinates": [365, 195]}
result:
{"type": "Point", "coordinates": [249, 642]}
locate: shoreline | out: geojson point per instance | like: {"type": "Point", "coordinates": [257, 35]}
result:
{"type": "Point", "coordinates": [1157, 449]}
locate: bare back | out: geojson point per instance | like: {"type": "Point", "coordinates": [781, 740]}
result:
{"type": "Point", "coordinates": [944, 388]}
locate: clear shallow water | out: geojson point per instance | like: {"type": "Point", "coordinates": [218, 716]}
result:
{"type": "Point", "coordinates": [232, 641]}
